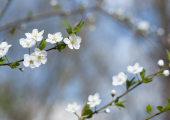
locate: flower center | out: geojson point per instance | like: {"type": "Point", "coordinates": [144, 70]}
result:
{"type": "Point", "coordinates": [31, 61]}
{"type": "Point", "coordinates": [73, 42]}
{"type": "Point", "coordinates": [28, 44]}
{"type": "Point", "coordinates": [39, 57]}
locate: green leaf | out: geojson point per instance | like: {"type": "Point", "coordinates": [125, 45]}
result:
{"type": "Point", "coordinates": [4, 59]}
{"type": "Point", "coordinates": [42, 45]}
{"type": "Point", "coordinates": [142, 74]}
{"type": "Point", "coordinates": [149, 108]}
{"type": "Point", "coordinates": [168, 54]}
{"type": "Point", "coordinates": [160, 108]}
{"type": "Point", "coordinates": [86, 107]}
{"type": "Point", "coordinates": [86, 112]}
{"type": "Point", "coordinates": [123, 101]}
{"type": "Point", "coordinates": [119, 104]}
{"type": "Point", "coordinates": [168, 100]}
{"type": "Point", "coordinates": [12, 30]}
{"type": "Point", "coordinates": [30, 14]}
{"type": "Point", "coordinates": [1, 62]}
{"type": "Point", "coordinates": [61, 46]}
{"type": "Point", "coordinates": [137, 81]}
{"type": "Point", "coordinates": [132, 79]}
{"type": "Point", "coordinates": [78, 27]}
{"type": "Point", "coordinates": [160, 73]}
{"type": "Point", "coordinates": [147, 80]}
{"type": "Point", "coordinates": [167, 107]}
{"type": "Point", "coordinates": [69, 31]}
{"type": "Point", "coordinates": [15, 64]}
{"type": "Point", "coordinates": [128, 83]}
{"type": "Point", "coordinates": [66, 23]}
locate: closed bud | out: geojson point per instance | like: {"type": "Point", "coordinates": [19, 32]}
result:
{"type": "Point", "coordinates": [166, 72]}
{"type": "Point", "coordinates": [21, 69]}
{"type": "Point", "coordinates": [107, 111]}
{"type": "Point", "coordinates": [160, 63]}
{"type": "Point", "coordinates": [113, 93]}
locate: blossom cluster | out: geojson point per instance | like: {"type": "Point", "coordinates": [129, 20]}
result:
{"type": "Point", "coordinates": [39, 56]}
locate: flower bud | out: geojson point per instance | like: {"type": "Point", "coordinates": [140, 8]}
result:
{"type": "Point", "coordinates": [160, 63]}
{"type": "Point", "coordinates": [166, 72]}
{"type": "Point", "coordinates": [113, 93]}
{"type": "Point", "coordinates": [107, 111]}
{"type": "Point", "coordinates": [21, 69]}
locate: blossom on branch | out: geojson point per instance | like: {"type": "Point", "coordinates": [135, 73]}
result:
{"type": "Point", "coordinates": [37, 36]}
{"type": "Point", "coordinates": [57, 37]}
{"type": "Point", "coordinates": [94, 100]}
{"type": "Point", "coordinates": [107, 111]}
{"type": "Point", "coordinates": [27, 43]}
{"type": "Point", "coordinates": [4, 47]}
{"type": "Point", "coordinates": [73, 41]}
{"type": "Point", "coordinates": [119, 79]}
{"type": "Point", "coordinates": [160, 63]}
{"type": "Point", "coordinates": [135, 69]}
{"type": "Point", "coordinates": [73, 107]}
{"type": "Point", "coordinates": [40, 56]}
{"type": "Point", "coordinates": [29, 61]}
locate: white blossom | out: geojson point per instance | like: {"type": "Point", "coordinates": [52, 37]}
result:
{"type": "Point", "coordinates": [57, 37]}
{"type": "Point", "coordinates": [35, 35]}
{"type": "Point", "coordinates": [53, 2]}
{"type": "Point", "coordinates": [107, 111]}
{"type": "Point", "coordinates": [4, 47]}
{"type": "Point", "coordinates": [40, 56]}
{"type": "Point", "coordinates": [29, 61]}
{"type": "Point", "coordinates": [135, 69]}
{"type": "Point", "coordinates": [73, 41]}
{"type": "Point", "coordinates": [27, 43]}
{"type": "Point", "coordinates": [166, 72]}
{"type": "Point", "coordinates": [143, 26]}
{"type": "Point", "coordinates": [73, 107]}
{"type": "Point", "coordinates": [94, 100]}
{"type": "Point", "coordinates": [160, 31]}
{"type": "Point", "coordinates": [160, 63]}
{"type": "Point", "coordinates": [119, 79]}
{"type": "Point", "coordinates": [113, 92]}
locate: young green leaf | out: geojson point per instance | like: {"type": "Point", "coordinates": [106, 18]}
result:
{"type": "Point", "coordinates": [15, 64]}
{"type": "Point", "coordinates": [137, 81]}
{"type": "Point", "coordinates": [149, 109]}
{"type": "Point", "coordinates": [86, 112]}
{"type": "Point", "coordinates": [119, 104]}
{"type": "Point", "coordinates": [160, 108]}
{"type": "Point", "coordinates": [168, 54]}
{"type": "Point", "coordinates": [12, 30]}
{"type": "Point", "coordinates": [86, 107]}
{"type": "Point", "coordinates": [168, 100]}
{"type": "Point", "coordinates": [147, 80]}
{"type": "Point", "coordinates": [66, 23]}
{"type": "Point", "coordinates": [167, 107]}
{"type": "Point", "coordinates": [42, 45]}
{"type": "Point", "coordinates": [61, 46]}
{"type": "Point", "coordinates": [1, 62]}
{"type": "Point", "coordinates": [123, 101]}
{"type": "Point", "coordinates": [128, 83]}
{"type": "Point", "coordinates": [142, 74]}
{"type": "Point", "coordinates": [69, 31]}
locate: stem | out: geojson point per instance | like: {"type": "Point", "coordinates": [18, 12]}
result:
{"type": "Point", "coordinates": [137, 77]}
{"type": "Point", "coordinates": [53, 48]}
{"type": "Point", "coordinates": [153, 116]}
{"type": "Point", "coordinates": [7, 59]}
{"type": "Point", "coordinates": [77, 115]}
{"type": "Point", "coordinates": [129, 91]}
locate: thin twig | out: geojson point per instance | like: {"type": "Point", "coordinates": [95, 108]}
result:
{"type": "Point", "coordinates": [5, 9]}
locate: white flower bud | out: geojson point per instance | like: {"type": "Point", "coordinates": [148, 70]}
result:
{"type": "Point", "coordinates": [113, 93]}
{"type": "Point", "coordinates": [161, 63]}
{"type": "Point", "coordinates": [166, 72]}
{"type": "Point", "coordinates": [107, 111]}
{"type": "Point", "coordinates": [21, 69]}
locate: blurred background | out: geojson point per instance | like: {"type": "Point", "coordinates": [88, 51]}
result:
{"type": "Point", "coordinates": [117, 33]}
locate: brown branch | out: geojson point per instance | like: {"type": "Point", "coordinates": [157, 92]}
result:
{"type": "Point", "coordinates": [53, 48]}
{"type": "Point", "coordinates": [37, 17]}
{"type": "Point", "coordinates": [5, 9]}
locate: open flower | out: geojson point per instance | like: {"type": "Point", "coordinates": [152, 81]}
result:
{"type": "Point", "coordinates": [73, 41]}
{"type": "Point", "coordinates": [57, 37]}
{"type": "Point", "coordinates": [27, 43]}
{"type": "Point", "coordinates": [119, 79]}
{"type": "Point", "coordinates": [4, 47]}
{"type": "Point", "coordinates": [35, 35]}
{"type": "Point", "coordinates": [40, 56]}
{"type": "Point", "coordinates": [73, 107]}
{"type": "Point", "coordinates": [135, 69]}
{"type": "Point", "coordinates": [29, 61]}
{"type": "Point", "coordinates": [94, 100]}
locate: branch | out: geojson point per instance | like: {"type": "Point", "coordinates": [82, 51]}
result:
{"type": "Point", "coordinates": [154, 115]}
{"type": "Point", "coordinates": [53, 48]}
{"type": "Point", "coordinates": [109, 104]}
{"type": "Point", "coordinates": [5, 8]}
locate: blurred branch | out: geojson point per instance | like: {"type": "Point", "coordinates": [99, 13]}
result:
{"type": "Point", "coordinates": [154, 115]}
{"type": "Point", "coordinates": [5, 9]}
